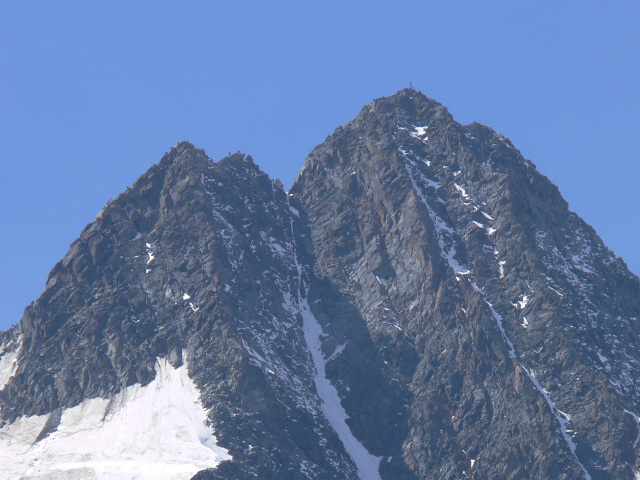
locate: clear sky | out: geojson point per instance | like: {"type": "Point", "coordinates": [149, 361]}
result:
{"type": "Point", "coordinates": [93, 93]}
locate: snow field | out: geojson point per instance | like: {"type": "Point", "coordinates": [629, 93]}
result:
{"type": "Point", "coordinates": [158, 431]}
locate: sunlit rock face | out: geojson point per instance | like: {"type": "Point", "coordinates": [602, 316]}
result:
{"type": "Point", "coordinates": [420, 305]}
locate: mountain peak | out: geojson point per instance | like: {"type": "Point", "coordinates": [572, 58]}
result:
{"type": "Point", "coordinates": [422, 280]}
{"type": "Point", "coordinates": [407, 107]}
{"type": "Point", "coordinates": [406, 95]}
{"type": "Point", "coordinates": [237, 158]}
{"type": "Point", "coordinates": [182, 151]}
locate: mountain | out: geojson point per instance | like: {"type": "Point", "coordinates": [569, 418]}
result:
{"type": "Point", "coordinates": [421, 304]}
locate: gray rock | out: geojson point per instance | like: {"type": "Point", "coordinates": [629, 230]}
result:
{"type": "Point", "coordinates": [474, 326]}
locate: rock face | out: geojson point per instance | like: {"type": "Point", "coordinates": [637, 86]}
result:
{"type": "Point", "coordinates": [420, 305]}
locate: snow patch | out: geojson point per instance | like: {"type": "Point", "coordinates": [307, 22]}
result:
{"type": "Point", "coordinates": [522, 303]}
{"type": "Point", "coordinates": [253, 353]}
{"type": "Point", "coordinates": [150, 253]}
{"type": "Point", "coordinates": [9, 363]}
{"type": "Point", "coordinates": [275, 247]}
{"type": "Point", "coordinates": [337, 351]}
{"type": "Point", "coordinates": [637, 419]}
{"type": "Point", "coordinates": [154, 432]}
{"type": "Point", "coordinates": [420, 132]}
{"type": "Point", "coordinates": [462, 191]}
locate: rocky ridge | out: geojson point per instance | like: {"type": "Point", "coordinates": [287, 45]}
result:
{"type": "Point", "coordinates": [421, 304]}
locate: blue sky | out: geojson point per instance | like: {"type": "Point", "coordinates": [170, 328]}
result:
{"type": "Point", "coordinates": [93, 93]}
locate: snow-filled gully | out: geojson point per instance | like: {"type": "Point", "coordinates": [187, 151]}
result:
{"type": "Point", "coordinates": [447, 250]}
{"type": "Point", "coordinates": [332, 409]}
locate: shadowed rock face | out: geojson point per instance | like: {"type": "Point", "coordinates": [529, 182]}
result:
{"type": "Point", "coordinates": [473, 326]}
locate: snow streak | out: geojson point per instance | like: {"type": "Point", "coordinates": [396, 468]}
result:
{"type": "Point", "coordinates": [444, 232]}
{"type": "Point", "coordinates": [446, 241]}
{"type": "Point", "coordinates": [332, 409]}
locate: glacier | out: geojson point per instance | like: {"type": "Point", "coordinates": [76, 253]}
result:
{"type": "Point", "coordinates": [158, 431]}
